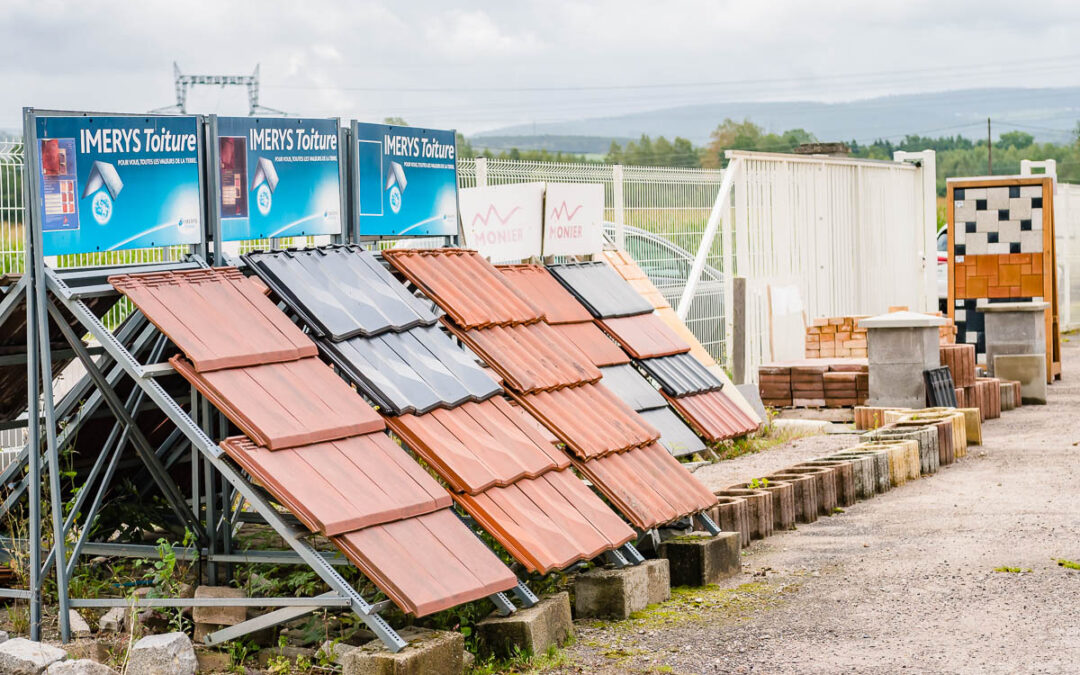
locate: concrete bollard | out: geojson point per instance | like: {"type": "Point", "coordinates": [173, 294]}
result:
{"type": "Point", "coordinates": [759, 510]}
{"type": "Point", "coordinates": [731, 514]}
{"type": "Point", "coordinates": [783, 499]}
{"type": "Point", "coordinates": [805, 491]}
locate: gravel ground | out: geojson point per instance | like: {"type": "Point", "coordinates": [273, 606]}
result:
{"type": "Point", "coordinates": [901, 583]}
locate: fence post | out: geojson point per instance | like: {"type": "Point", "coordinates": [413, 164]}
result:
{"type": "Point", "coordinates": [617, 199]}
{"type": "Point", "coordinates": [738, 331]}
{"type": "Point", "coordinates": [928, 167]}
{"type": "Point", "coordinates": [481, 172]}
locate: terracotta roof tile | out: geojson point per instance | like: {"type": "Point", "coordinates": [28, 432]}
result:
{"type": "Point", "coordinates": [218, 318]}
{"type": "Point", "coordinates": [467, 287]}
{"type": "Point", "coordinates": [713, 415]}
{"type": "Point", "coordinates": [648, 485]}
{"type": "Point", "coordinates": [479, 445]}
{"type": "Point", "coordinates": [428, 563]}
{"type": "Point", "coordinates": [597, 348]}
{"type": "Point", "coordinates": [531, 357]}
{"type": "Point", "coordinates": [549, 522]}
{"type": "Point", "coordinates": [343, 485]}
{"type": "Point", "coordinates": [644, 336]}
{"type": "Point", "coordinates": [590, 419]}
{"type": "Point", "coordinates": [283, 405]}
{"type": "Point", "coordinates": [537, 285]}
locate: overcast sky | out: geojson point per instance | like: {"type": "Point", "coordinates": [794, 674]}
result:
{"type": "Point", "coordinates": [476, 66]}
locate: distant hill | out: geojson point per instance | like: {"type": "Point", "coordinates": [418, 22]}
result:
{"type": "Point", "coordinates": [1048, 114]}
{"type": "Point", "coordinates": [577, 145]}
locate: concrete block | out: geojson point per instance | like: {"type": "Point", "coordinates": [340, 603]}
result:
{"type": "Point", "coordinates": [19, 656]}
{"type": "Point", "coordinates": [862, 474]}
{"type": "Point", "coordinates": [93, 650]}
{"type": "Point", "coordinates": [699, 559]}
{"type": "Point", "coordinates": [114, 620]}
{"type": "Point", "coordinates": [213, 660]}
{"type": "Point", "coordinates": [165, 654]}
{"type": "Point", "coordinates": [825, 482]}
{"type": "Point", "coordinates": [806, 494]}
{"type": "Point", "coordinates": [783, 501]}
{"type": "Point", "coordinates": [79, 628]}
{"type": "Point", "coordinates": [1014, 328]}
{"type": "Point", "coordinates": [844, 474]}
{"type": "Point", "coordinates": [882, 474]}
{"type": "Point", "coordinates": [1029, 370]}
{"type": "Point", "coordinates": [429, 652]}
{"type": "Point", "coordinates": [659, 580]}
{"type": "Point", "coordinates": [219, 616]}
{"type": "Point", "coordinates": [926, 436]}
{"type": "Point", "coordinates": [611, 593]}
{"type": "Point", "coordinates": [335, 652]}
{"type": "Point", "coordinates": [79, 667]}
{"type": "Point", "coordinates": [530, 630]}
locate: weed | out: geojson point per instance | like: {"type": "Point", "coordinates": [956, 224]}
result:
{"type": "Point", "coordinates": [1012, 570]}
{"type": "Point", "coordinates": [837, 509]}
{"type": "Point", "coordinates": [1068, 564]}
{"type": "Point", "coordinates": [239, 652]}
{"type": "Point", "coordinates": [758, 484]}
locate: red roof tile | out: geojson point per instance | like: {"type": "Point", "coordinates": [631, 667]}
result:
{"type": "Point", "coordinates": [217, 317]}
{"type": "Point", "coordinates": [531, 357]}
{"type": "Point", "coordinates": [428, 563]}
{"type": "Point", "coordinates": [647, 485]}
{"type": "Point", "coordinates": [479, 445]}
{"type": "Point", "coordinates": [597, 348]}
{"type": "Point", "coordinates": [342, 485]}
{"type": "Point", "coordinates": [549, 522]}
{"type": "Point", "coordinates": [713, 415]}
{"type": "Point", "coordinates": [645, 336]}
{"type": "Point", "coordinates": [283, 405]}
{"type": "Point", "coordinates": [537, 285]}
{"type": "Point", "coordinates": [465, 285]}
{"type": "Point", "coordinates": [590, 419]}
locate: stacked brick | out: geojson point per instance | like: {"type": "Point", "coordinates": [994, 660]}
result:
{"type": "Point", "coordinates": [961, 362]}
{"type": "Point", "coordinates": [841, 337]}
{"type": "Point", "coordinates": [814, 383]}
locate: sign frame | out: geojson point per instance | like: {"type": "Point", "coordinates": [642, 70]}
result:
{"type": "Point", "coordinates": [32, 170]}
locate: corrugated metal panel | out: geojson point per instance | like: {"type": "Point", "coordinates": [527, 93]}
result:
{"type": "Point", "coordinates": [681, 375]}
{"type": "Point", "coordinates": [428, 563]}
{"type": "Point", "coordinates": [634, 390]}
{"type": "Point", "coordinates": [714, 415]}
{"type": "Point", "coordinates": [644, 336]}
{"type": "Point", "coordinates": [679, 439]}
{"type": "Point", "coordinates": [412, 372]}
{"type": "Point", "coordinates": [648, 485]}
{"type": "Point", "coordinates": [531, 357]}
{"type": "Point", "coordinates": [283, 405]}
{"type": "Point", "coordinates": [467, 287]}
{"type": "Point", "coordinates": [342, 485]}
{"type": "Point", "coordinates": [537, 285]}
{"type": "Point", "coordinates": [542, 522]}
{"type": "Point", "coordinates": [603, 292]}
{"type": "Point", "coordinates": [341, 291]}
{"type": "Point", "coordinates": [597, 348]}
{"type": "Point", "coordinates": [218, 318]}
{"type": "Point", "coordinates": [589, 419]}
{"type": "Point", "coordinates": [479, 445]}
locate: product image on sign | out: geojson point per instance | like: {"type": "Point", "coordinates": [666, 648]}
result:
{"type": "Point", "coordinates": [109, 183]}
{"type": "Point", "coordinates": [406, 180]}
{"type": "Point", "coordinates": [287, 169]}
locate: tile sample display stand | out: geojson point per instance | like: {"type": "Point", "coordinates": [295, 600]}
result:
{"type": "Point", "coordinates": [901, 345]}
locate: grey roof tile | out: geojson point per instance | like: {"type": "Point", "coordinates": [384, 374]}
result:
{"type": "Point", "coordinates": [600, 288]}
{"type": "Point", "coordinates": [678, 438]}
{"type": "Point", "coordinates": [681, 375]}
{"type": "Point", "coordinates": [634, 390]}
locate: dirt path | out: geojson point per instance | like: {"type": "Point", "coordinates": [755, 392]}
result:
{"type": "Point", "coordinates": [901, 583]}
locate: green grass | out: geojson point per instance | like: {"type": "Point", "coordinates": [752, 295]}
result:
{"type": "Point", "coordinates": [1012, 570]}
{"type": "Point", "coordinates": [1068, 564]}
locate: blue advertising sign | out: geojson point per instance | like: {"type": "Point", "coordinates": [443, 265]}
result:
{"type": "Point", "coordinates": [111, 183]}
{"type": "Point", "coordinates": [405, 181]}
{"type": "Point", "coordinates": [278, 177]}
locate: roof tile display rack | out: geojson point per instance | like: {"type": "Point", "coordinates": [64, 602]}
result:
{"type": "Point", "coordinates": [609, 443]}
{"type": "Point", "coordinates": [505, 473]}
{"type": "Point", "coordinates": [694, 391]}
{"type": "Point", "coordinates": [621, 377]}
{"type": "Point", "coordinates": [315, 445]}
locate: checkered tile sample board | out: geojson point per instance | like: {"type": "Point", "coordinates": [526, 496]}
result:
{"type": "Point", "coordinates": [998, 253]}
{"type": "Point", "coordinates": [998, 220]}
